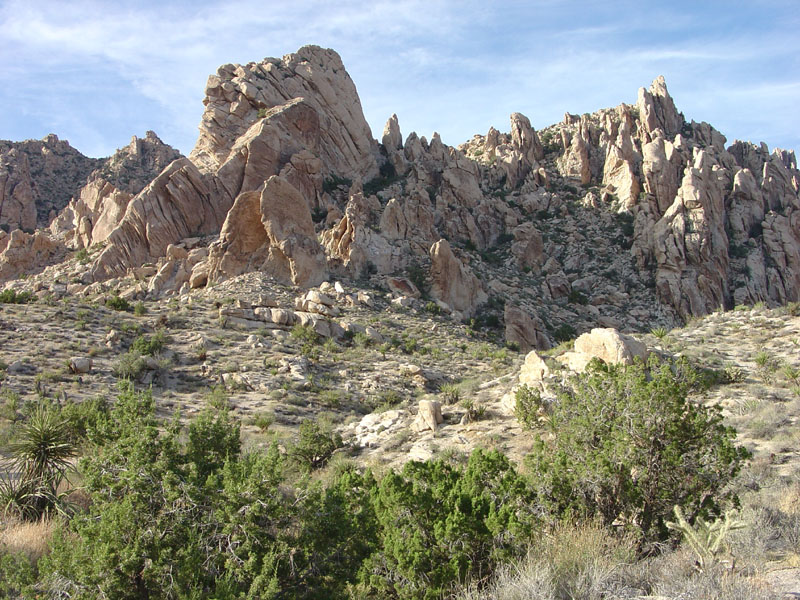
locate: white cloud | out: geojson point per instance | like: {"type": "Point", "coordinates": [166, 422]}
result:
{"type": "Point", "coordinates": [452, 66]}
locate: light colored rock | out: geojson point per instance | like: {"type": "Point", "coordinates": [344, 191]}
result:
{"type": "Point", "coordinates": [453, 282]}
{"type": "Point", "coordinates": [392, 139]}
{"type": "Point", "coordinates": [80, 364]}
{"type": "Point", "coordinates": [610, 346]}
{"type": "Point", "coordinates": [402, 286]}
{"type": "Point", "coordinates": [269, 231]}
{"type": "Point", "coordinates": [429, 416]}
{"type": "Point", "coordinates": [657, 110]}
{"type": "Point", "coordinates": [237, 92]}
{"type": "Point", "coordinates": [533, 370]}
{"type": "Point", "coordinates": [21, 252]}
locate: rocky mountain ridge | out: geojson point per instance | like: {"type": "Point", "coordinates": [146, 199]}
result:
{"type": "Point", "coordinates": [627, 217]}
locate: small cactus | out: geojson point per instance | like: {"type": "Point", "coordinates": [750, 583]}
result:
{"type": "Point", "coordinates": [706, 539]}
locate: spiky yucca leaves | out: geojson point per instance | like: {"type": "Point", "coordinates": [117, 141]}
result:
{"type": "Point", "coordinates": [706, 539]}
{"type": "Point", "coordinates": [40, 459]}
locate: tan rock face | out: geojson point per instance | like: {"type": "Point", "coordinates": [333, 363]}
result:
{"type": "Point", "coordinates": [523, 329]}
{"type": "Point", "coordinates": [691, 244]}
{"type": "Point", "coordinates": [21, 252]}
{"type": "Point", "coordinates": [657, 109]}
{"type": "Point", "coordinates": [453, 282]}
{"type": "Point", "coordinates": [17, 206]}
{"type": "Point", "coordinates": [392, 139]}
{"type": "Point", "coordinates": [269, 230]}
{"type": "Point", "coordinates": [534, 370]}
{"type": "Point", "coordinates": [237, 92]}
{"type": "Point", "coordinates": [610, 346]}
{"type": "Point", "coordinates": [353, 241]}
{"type": "Point", "coordinates": [179, 203]}
{"type": "Point", "coordinates": [50, 168]}
{"type": "Point", "coordinates": [429, 416]}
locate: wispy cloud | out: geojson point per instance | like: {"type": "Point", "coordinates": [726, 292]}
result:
{"type": "Point", "coordinates": [97, 72]}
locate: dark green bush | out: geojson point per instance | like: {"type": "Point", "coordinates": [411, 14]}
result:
{"type": "Point", "coordinates": [149, 345]}
{"type": "Point", "coordinates": [315, 445]}
{"type": "Point", "coordinates": [13, 297]}
{"type": "Point", "coordinates": [116, 302]}
{"type": "Point", "coordinates": [627, 445]}
{"type": "Point", "coordinates": [440, 525]}
{"type": "Point", "coordinates": [564, 333]}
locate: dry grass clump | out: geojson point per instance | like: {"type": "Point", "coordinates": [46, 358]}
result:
{"type": "Point", "coordinates": [29, 538]}
{"type": "Point", "coordinates": [588, 562]}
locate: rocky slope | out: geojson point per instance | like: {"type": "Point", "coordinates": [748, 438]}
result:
{"type": "Point", "coordinates": [628, 217]}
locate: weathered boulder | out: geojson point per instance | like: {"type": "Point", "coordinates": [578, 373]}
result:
{"type": "Point", "coordinates": [429, 416]}
{"type": "Point", "coordinates": [80, 364]}
{"type": "Point", "coordinates": [526, 331]}
{"type": "Point", "coordinates": [269, 230]}
{"type": "Point", "coordinates": [453, 282]}
{"type": "Point", "coordinates": [608, 345]}
{"type": "Point", "coordinates": [533, 370]}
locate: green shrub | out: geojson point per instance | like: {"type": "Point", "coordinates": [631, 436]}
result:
{"type": "Point", "coordinates": [17, 575]}
{"type": "Point", "coordinates": [652, 449]}
{"type": "Point", "coordinates": [149, 345]}
{"type": "Point", "coordinates": [315, 445]}
{"type": "Point", "coordinates": [116, 302]}
{"type": "Point", "coordinates": [564, 333]}
{"type": "Point", "coordinates": [82, 256]}
{"type": "Point", "coordinates": [440, 525]}
{"type": "Point", "coordinates": [528, 406]}
{"type": "Point", "coordinates": [130, 365]}
{"type": "Point", "coordinates": [419, 277]}
{"type": "Point", "coordinates": [139, 309]}
{"type": "Point", "coordinates": [10, 296]}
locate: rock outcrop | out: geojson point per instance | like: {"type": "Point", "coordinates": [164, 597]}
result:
{"type": "Point", "coordinates": [181, 202]}
{"type": "Point", "coordinates": [101, 203]}
{"type": "Point", "coordinates": [525, 330]}
{"type": "Point", "coordinates": [268, 230]}
{"type": "Point", "coordinates": [47, 172]}
{"type": "Point", "coordinates": [236, 94]}
{"type": "Point", "coordinates": [605, 344]}
{"type": "Point", "coordinates": [452, 282]}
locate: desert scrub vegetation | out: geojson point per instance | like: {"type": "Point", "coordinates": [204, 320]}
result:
{"type": "Point", "coordinates": [182, 511]}
{"type": "Point", "coordinates": [653, 449]}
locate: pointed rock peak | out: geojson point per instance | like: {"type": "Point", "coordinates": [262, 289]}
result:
{"type": "Point", "coordinates": [392, 139]}
{"type": "Point", "coordinates": [657, 109]}
{"type": "Point", "coordinates": [659, 87]}
{"type": "Point", "coordinates": [524, 138]}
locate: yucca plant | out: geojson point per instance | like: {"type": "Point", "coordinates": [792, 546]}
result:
{"type": "Point", "coordinates": [40, 459]}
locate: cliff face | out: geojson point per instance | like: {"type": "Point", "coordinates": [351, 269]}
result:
{"type": "Point", "coordinates": [624, 217]}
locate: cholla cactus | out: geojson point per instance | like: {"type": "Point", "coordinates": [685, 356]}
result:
{"type": "Point", "coordinates": [706, 539]}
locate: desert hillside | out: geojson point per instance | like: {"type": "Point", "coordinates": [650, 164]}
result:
{"type": "Point", "coordinates": [301, 362]}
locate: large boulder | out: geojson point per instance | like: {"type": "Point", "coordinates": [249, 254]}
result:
{"type": "Point", "coordinates": [269, 230]}
{"type": "Point", "coordinates": [526, 331]}
{"type": "Point", "coordinates": [608, 345]}
{"type": "Point", "coordinates": [533, 370]}
{"type": "Point", "coordinates": [453, 282]}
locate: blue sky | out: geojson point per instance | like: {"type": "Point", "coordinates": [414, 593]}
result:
{"type": "Point", "coordinates": [96, 73]}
